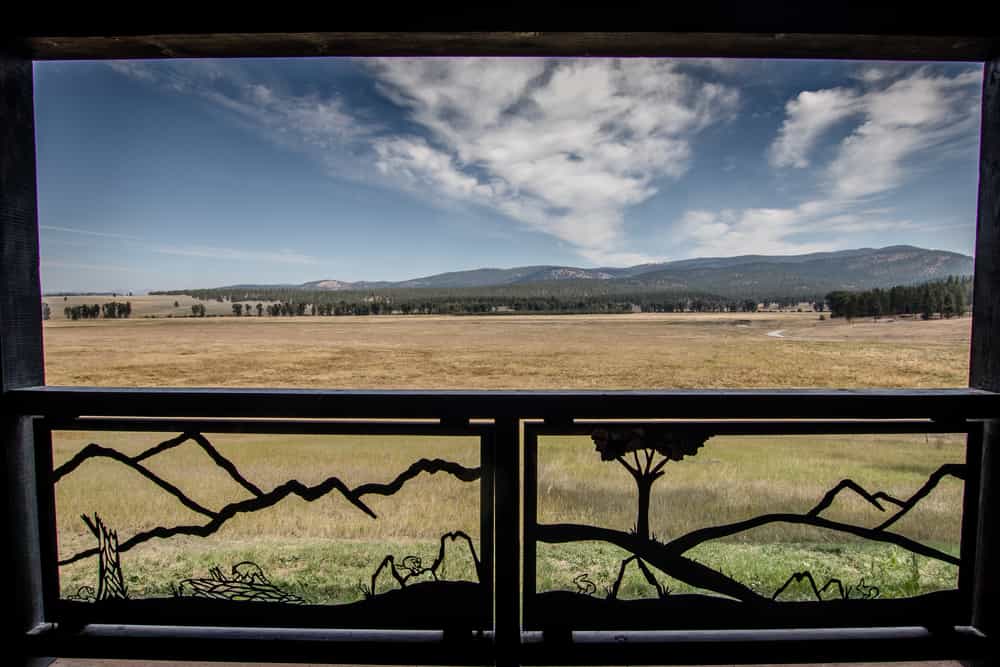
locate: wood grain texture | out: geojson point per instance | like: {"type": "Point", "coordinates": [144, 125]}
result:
{"type": "Point", "coordinates": [627, 44]}
{"type": "Point", "coordinates": [20, 298]}
{"type": "Point", "coordinates": [984, 372]}
{"type": "Point", "coordinates": [985, 358]}
{"type": "Point", "coordinates": [20, 350]}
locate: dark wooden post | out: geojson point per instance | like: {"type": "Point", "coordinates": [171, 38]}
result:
{"type": "Point", "coordinates": [20, 347]}
{"type": "Point", "coordinates": [985, 361]}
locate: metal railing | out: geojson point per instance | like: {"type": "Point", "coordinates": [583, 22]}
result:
{"type": "Point", "coordinates": [499, 615]}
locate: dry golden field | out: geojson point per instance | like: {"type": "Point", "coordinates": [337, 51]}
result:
{"type": "Point", "coordinates": [645, 351]}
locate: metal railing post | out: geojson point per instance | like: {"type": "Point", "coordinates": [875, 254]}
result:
{"type": "Point", "coordinates": [508, 543]}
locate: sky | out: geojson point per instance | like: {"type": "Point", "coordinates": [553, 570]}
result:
{"type": "Point", "coordinates": [177, 174]}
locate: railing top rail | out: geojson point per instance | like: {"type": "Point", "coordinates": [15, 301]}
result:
{"type": "Point", "coordinates": [948, 405]}
{"type": "Point", "coordinates": [272, 426]}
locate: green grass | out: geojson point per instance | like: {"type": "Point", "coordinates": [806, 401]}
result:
{"type": "Point", "coordinates": [324, 550]}
{"type": "Point", "coordinates": [330, 572]}
{"type": "Point", "coordinates": [762, 567]}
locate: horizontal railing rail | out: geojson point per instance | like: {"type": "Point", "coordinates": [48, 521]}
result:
{"type": "Point", "coordinates": [939, 404]}
{"type": "Point", "coordinates": [584, 648]}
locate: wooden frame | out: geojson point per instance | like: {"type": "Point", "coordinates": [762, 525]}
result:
{"type": "Point", "coordinates": [710, 30]}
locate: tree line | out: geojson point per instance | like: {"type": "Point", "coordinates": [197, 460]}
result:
{"type": "Point", "coordinates": [946, 298]}
{"type": "Point", "coordinates": [484, 306]}
{"type": "Point", "coordinates": [112, 310]}
{"type": "Point", "coordinates": [289, 301]}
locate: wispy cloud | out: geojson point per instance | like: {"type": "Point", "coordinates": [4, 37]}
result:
{"type": "Point", "coordinates": [807, 118]}
{"type": "Point", "coordinates": [88, 232]}
{"type": "Point", "coordinates": [235, 254]}
{"type": "Point", "coordinates": [308, 121]}
{"type": "Point", "coordinates": [83, 266]}
{"type": "Point", "coordinates": [911, 116]}
{"type": "Point", "coordinates": [214, 252]}
{"type": "Point", "coordinates": [891, 125]}
{"type": "Point", "coordinates": [813, 226]}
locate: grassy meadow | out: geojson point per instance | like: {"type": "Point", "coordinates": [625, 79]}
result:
{"type": "Point", "coordinates": [326, 550]}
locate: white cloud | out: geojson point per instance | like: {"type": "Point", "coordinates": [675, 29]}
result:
{"type": "Point", "coordinates": [896, 121]}
{"type": "Point", "coordinates": [898, 117]}
{"type": "Point", "coordinates": [813, 226]}
{"type": "Point", "coordinates": [564, 147]}
{"type": "Point", "coordinates": [902, 121]}
{"type": "Point", "coordinates": [807, 118]}
{"type": "Point", "coordinates": [742, 232]}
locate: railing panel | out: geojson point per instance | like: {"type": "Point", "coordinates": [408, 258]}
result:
{"type": "Point", "coordinates": [270, 524]}
{"type": "Point", "coordinates": [755, 525]}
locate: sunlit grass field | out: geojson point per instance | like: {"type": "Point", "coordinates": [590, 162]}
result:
{"type": "Point", "coordinates": [643, 351]}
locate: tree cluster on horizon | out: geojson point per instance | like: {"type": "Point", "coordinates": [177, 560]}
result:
{"type": "Point", "coordinates": [112, 310]}
{"type": "Point", "coordinates": [950, 297]}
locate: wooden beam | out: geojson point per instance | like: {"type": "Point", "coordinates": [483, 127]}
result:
{"type": "Point", "coordinates": [985, 359]}
{"type": "Point", "coordinates": [20, 300]}
{"type": "Point", "coordinates": [20, 347]}
{"type": "Point", "coordinates": [695, 43]}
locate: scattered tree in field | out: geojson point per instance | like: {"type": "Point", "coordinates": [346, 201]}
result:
{"type": "Point", "coordinates": [198, 310]}
{"type": "Point", "coordinates": [237, 309]}
{"type": "Point", "coordinates": [46, 311]}
{"type": "Point", "coordinates": [260, 309]}
{"type": "Point", "coordinates": [83, 312]}
{"type": "Point", "coordinates": [116, 310]}
{"type": "Point", "coordinates": [177, 304]}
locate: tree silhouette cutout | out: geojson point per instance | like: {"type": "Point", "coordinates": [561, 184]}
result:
{"type": "Point", "coordinates": [650, 449]}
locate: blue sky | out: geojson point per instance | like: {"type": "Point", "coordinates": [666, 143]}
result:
{"type": "Point", "coordinates": [185, 173]}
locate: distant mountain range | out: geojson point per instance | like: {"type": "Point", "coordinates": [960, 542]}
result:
{"type": "Point", "coordinates": [810, 274]}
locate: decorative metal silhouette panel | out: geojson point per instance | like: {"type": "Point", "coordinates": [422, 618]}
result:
{"type": "Point", "coordinates": [295, 524]}
{"type": "Point", "coordinates": [705, 526]}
